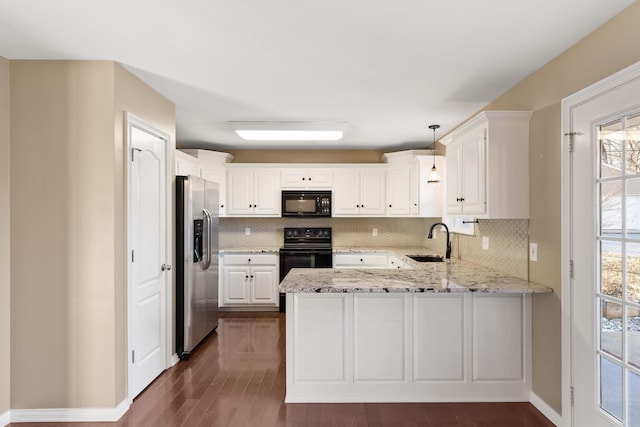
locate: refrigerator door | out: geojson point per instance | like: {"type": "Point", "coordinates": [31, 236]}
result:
{"type": "Point", "coordinates": [196, 309]}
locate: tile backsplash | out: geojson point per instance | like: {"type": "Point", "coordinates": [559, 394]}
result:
{"type": "Point", "coordinates": [508, 239]}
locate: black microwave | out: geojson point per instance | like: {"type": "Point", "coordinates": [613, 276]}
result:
{"type": "Point", "coordinates": [306, 203]}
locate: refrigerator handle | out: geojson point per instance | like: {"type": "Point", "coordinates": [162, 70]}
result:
{"type": "Point", "coordinates": [206, 258]}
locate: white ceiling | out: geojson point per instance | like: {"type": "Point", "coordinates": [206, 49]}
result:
{"type": "Point", "coordinates": [388, 68]}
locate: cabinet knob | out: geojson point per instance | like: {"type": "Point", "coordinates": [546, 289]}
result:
{"type": "Point", "coordinates": [361, 260]}
{"type": "Point", "coordinates": [389, 205]}
{"type": "Point", "coordinates": [246, 276]}
{"type": "Point", "coordinates": [222, 206]}
{"type": "Point", "coordinates": [357, 206]}
{"type": "Point", "coordinates": [248, 259]}
{"type": "Point", "coordinates": [309, 178]}
{"type": "Point", "coordinates": [252, 276]}
{"type": "Point", "coordinates": [303, 178]}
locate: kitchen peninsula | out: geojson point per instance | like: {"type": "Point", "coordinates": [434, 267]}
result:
{"type": "Point", "coordinates": [432, 332]}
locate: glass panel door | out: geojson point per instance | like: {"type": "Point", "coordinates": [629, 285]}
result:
{"type": "Point", "coordinates": [618, 284]}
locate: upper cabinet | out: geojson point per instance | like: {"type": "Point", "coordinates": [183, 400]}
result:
{"type": "Point", "coordinates": [487, 166]}
{"type": "Point", "coordinates": [253, 191]}
{"type": "Point", "coordinates": [408, 193]}
{"type": "Point", "coordinates": [186, 164]}
{"type": "Point", "coordinates": [315, 178]}
{"type": "Point", "coordinates": [359, 191]}
{"type": "Point", "coordinates": [212, 167]}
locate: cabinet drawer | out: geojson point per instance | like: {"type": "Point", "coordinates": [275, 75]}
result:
{"type": "Point", "coordinates": [250, 259]}
{"type": "Point", "coordinates": [360, 260]}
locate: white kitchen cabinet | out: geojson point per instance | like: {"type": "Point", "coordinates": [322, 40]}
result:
{"type": "Point", "coordinates": [312, 178]}
{"type": "Point", "coordinates": [408, 193]}
{"type": "Point", "coordinates": [212, 167]}
{"type": "Point", "coordinates": [186, 164]}
{"type": "Point", "coordinates": [487, 166]}
{"type": "Point", "coordinates": [249, 280]}
{"type": "Point", "coordinates": [359, 191]}
{"type": "Point", "coordinates": [438, 347]}
{"type": "Point", "coordinates": [360, 260]}
{"type": "Point", "coordinates": [253, 191]}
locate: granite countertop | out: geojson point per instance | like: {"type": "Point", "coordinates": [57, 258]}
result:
{"type": "Point", "coordinates": [250, 250]}
{"type": "Point", "coordinates": [434, 277]}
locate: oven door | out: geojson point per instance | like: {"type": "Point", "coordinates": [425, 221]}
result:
{"type": "Point", "coordinates": [302, 258]}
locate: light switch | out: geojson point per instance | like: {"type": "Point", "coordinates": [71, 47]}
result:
{"type": "Point", "coordinates": [485, 243]}
{"type": "Point", "coordinates": [374, 232]}
{"type": "Point", "coordinates": [533, 251]}
{"type": "Point", "coordinates": [247, 231]}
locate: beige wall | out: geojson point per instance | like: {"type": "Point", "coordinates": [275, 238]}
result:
{"type": "Point", "coordinates": [68, 318]}
{"type": "Point", "coordinates": [607, 50]}
{"type": "Point", "coordinates": [306, 156]}
{"type": "Point", "coordinates": [5, 267]}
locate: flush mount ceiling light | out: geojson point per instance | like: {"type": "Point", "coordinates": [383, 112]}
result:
{"type": "Point", "coordinates": [289, 131]}
{"type": "Point", "coordinates": [434, 176]}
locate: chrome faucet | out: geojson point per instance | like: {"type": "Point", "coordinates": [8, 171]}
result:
{"type": "Point", "coordinates": [430, 236]}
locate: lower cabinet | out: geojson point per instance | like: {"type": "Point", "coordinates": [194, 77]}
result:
{"type": "Point", "coordinates": [360, 260]}
{"type": "Point", "coordinates": [249, 280]}
{"type": "Point", "coordinates": [405, 347]}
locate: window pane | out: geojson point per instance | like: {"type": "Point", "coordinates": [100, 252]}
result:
{"type": "Point", "coordinates": [633, 270]}
{"type": "Point", "coordinates": [611, 387]}
{"type": "Point", "coordinates": [633, 336]}
{"type": "Point", "coordinates": [611, 328]}
{"type": "Point", "coordinates": [611, 209]}
{"type": "Point", "coordinates": [633, 399]}
{"type": "Point", "coordinates": [633, 145]}
{"type": "Point", "coordinates": [610, 150]}
{"type": "Point", "coordinates": [633, 208]}
{"type": "Point", "coordinates": [611, 268]}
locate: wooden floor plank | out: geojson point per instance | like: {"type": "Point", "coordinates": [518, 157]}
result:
{"type": "Point", "coordinates": [237, 377]}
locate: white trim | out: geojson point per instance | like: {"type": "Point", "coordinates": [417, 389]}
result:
{"type": "Point", "coordinates": [129, 120]}
{"type": "Point", "coordinates": [5, 418]}
{"type": "Point", "coordinates": [174, 359]}
{"type": "Point", "coordinates": [597, 89]}
{"type": "Point", "coordinates": [546, 410]}
{"type": "Point", "coordinates": [68, 414]}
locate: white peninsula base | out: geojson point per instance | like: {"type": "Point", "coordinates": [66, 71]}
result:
{"type": "Point", "coordinates": [408, 347]}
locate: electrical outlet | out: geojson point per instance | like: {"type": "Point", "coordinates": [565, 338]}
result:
{"type": "Point", "coordinates": [533, 252]}
{"type": "Point", "coordinates": [374, 232]}
{"type": "Point", "coordinates": [247, 231]}
{"type": "Point", "coordinates": [485, 243]}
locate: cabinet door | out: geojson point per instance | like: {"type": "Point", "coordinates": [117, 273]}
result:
{"type": "Point", "coordinates": [372, 192]}
{"type": "Point", "coordinates": [266, 192]}
{"type": "Point", "coordinates": [240, 192]}
{"type": "Point", "coordinates": [320, 178]}
{"type": "Point", "coordinates": [473, 172]}
{"type": "Point", "coordinates": [453, 181]}
{"type": "Point", "coordinates": [219, 176]}
{"type": "Point", "coordinates": [399, 192]}
{"type": "Point", "coordinates": [264, 285]}
{"type": "Point", "coordinates": [235, 285]}
{"type": "Point", "coordinates": [294, 178]}
{"type": "Point", "coordinates": [186, 164]}
{"type": "Point", "coordinates": [346, 192]}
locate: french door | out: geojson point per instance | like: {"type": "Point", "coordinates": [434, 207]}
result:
{"type": "Point", "coordinates": [604, 128]}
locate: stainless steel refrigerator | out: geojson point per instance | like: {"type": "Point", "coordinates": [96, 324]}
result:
{"type": "Point", "coordinates": [196, 261]}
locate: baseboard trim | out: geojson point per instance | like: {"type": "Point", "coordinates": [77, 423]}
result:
{"type": "Point", "coordinates": [546, 410]}
{"type": "Point", "coordinates": [174, 359]}
{"type": "Point", "coordinates": [69, 414]}
{"type": "Point", "coordinates": [5, 419]}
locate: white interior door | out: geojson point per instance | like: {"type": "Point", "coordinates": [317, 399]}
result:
{"type": "Point", "coordinates": [148, 273]}
{"type": "Point", "coordinates": [605, 246]}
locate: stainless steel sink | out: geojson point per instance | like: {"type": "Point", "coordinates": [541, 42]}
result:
{"type": "Point", "coordinates": [426, 258]}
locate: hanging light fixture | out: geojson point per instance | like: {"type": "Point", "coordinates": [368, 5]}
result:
{"type": "Point", "coordinates": [434, 175]}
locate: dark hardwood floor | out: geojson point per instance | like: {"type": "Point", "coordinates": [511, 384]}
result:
{"type": "Point", "coordinates": [237, 378]}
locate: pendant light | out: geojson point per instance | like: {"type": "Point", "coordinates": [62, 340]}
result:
{"type": "Point", "coordinates": [434, 176]}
